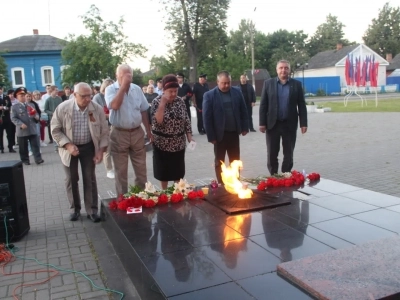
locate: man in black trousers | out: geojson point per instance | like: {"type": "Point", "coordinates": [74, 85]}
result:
{"type": "Point", "coordinates": [249, 98]}
{"type": "Point", "coordinates": [5, 122]}
{"type": "Point", "coordinates": [199, 88]}
{"type": "Point", "coordinates": [185, 92]}
{"type": "Point", "coordinates": [282, 105]}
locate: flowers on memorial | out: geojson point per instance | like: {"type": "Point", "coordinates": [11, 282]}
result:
{"type": "Point", "coordinates": [150, 197]}
{"type": "Point", "coordinates": [287, 179]}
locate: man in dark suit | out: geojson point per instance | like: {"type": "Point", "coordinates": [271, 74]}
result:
{"type": "Point", "coordinates": [5, 122]}
{"type": "Point", "coordinates": [225, 118]}
{"type": "Point", "coordinates": [249, 98]}
{"type": "Point", "coordinates": [199, 88]}
{"type": "Point", "coordinates": [282, 104]}
{"type": "Point", "coordinates": [185, 92]}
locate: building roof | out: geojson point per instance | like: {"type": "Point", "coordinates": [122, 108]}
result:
{"type": "Point", "coordinates": [394, 63]}
{"type": "Point", "coordinates": [329, 58]}
{"type": "Point", "coordinates": [36, 42]}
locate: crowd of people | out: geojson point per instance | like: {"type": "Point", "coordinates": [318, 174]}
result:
{"type": "Point", "coordinates": [111, 122]}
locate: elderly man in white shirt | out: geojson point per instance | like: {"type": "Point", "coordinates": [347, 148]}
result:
{"type": "Point", "coordinates": [128, 109]}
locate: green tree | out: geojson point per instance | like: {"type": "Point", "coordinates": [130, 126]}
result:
{"type": "Point", "coordinates": [327, 36]}
{"type": "Point", "coordinates": [3, 73]}
{"type": "Point", "coordinates": [383, 35]}
{"type": "Point", "coordinates": [199, 30]}
{"type": "Point", "coordinates": [95, 56]}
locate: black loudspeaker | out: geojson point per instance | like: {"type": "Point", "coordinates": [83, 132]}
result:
{"type": "Point", "coordinates": [14, 218]}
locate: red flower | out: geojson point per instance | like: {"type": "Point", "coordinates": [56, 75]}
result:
{"type": "Point", "coordinates": [275, 183]}
{"type": "Point", "coordinates": [262, 186]}
{"type": "Point", "coordinates": [113, 205]}
{"type": "Point", "coordinates": [123, 205]}
{"type": "Point", "coordinates": [31, 111]}
{"type": "Point", "coordinates": [162, 199]}
{"type": "Point", "coordinates": [120, 198]}
{"type": "Point", "coordinates": [175, 198]}
{"type": "Point", "coordinates": [288, 182]}
{"type": "Point", "coordinates": [149, 203]}
{"type": "Point", "coordinates": [135, 201]}
{"type": "Point", "coordinates": [192, 195]}
{"type": "Point", "coordinates": [200, 194]}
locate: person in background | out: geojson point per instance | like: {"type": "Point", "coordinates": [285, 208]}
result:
{"type": "Point", "coordinates": [199, 88]}
{"type": "Point", "coordinates": [185, 92]}
{"type": "Point", "coordinates": [100, 100]}
{"type": "Point", "coordinates": [43, 116]}
{"type": "Point", "coordinates": [67, 93]}
{"type": "Point", "coordinates": [249, 98]}
{"type": "Point", "coordinates": [128, 109]}
{"type": "Point", "coordinates": [25, 117]}
{"type": "Point", "coordinates": [144, 89]}
{"type": "Point", "coordinates": [282, 107]}
{"type": "Point", "coordinates": [5, 122]}
{"type": "Point", "coordinates": [225, 118]}
{"type": "Point", "coordinates": [28, 99]}
{"type": "Point", "coordinates": [13, 100]}
{"type": "Point", "coordinates": [151, 82]}
{"type": "Point", "coordinates": [50, 106]}
{"type": "Point", "coordinates": [44, 99]}
{"type": "Point", "coordinates": [96, 90]}
{"type": "Point", "coordinates": [171, 127]}
{"type": "Point", "coordinates": [158, 88]}
{"type": "Point", "coordinates": [150, 96]}
{"type": "Point", "coordinates": [80, 128]}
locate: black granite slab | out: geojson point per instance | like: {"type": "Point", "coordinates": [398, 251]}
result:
{"type": "Point", "coordinates": [194, 250]}
{"type": "Point", "coordinates": [231, 204]}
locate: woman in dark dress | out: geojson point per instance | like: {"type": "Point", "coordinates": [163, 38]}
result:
{"type": "Point", "coordinates": [171, 128]}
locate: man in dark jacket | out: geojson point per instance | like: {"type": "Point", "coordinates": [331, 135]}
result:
{"type": "Point", "coordinates": [185, 92]}
{"type": "Point", "coordinates": [199, 88]}
{"type": "Point", "coordinates": [282, 105]}
{"type": "Point", "coordinates": [5, 122]}
{"type": "Point", "coordinates": [249, 98]}
{"type": "Point", "coordinates": [225, 118]}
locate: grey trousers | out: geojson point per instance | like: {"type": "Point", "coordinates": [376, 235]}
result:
{"type": "Point", "coordinates": [90, 196]}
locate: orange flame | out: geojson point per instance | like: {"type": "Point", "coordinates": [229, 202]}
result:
{"type": "Point", "coordinates": [230, 178]}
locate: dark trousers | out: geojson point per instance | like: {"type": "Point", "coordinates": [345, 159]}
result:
{"type": "Point", "coordinates": [49, 129]}
{"type": "Point", "coordinates": [8, 127]}
{"type": "Point", "coordinates": [229, 144]}
{"type": "Point", "coordinates": [273, 136]}
{"type": "Point", "coordinates": [250, 116]}
{"type": "Point", "coordinates": [90, 196]}
{"type": "Point", "coordinates": [200, 126]}
{"type": "Point", "coordinates": [23, 147]}
{"type": "Point", "coordinates": [188, 109]}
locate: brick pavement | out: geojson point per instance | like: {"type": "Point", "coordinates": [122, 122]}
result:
{"type": "Point", "coordinates": [361, 149]}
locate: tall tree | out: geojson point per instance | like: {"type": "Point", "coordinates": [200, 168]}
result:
{"type": "Point", "coordinates": [383, 35]}
{"type": "Point", "coordinates": [327, 36]}
{"type": "Point", "coordinates": [95, 56]}
{"type": "Point", "coordinates": [198, 27]}
{"type": "Point", "coordinates": [3, 73]}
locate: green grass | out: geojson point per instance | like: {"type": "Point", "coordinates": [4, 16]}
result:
{"type": "Point", "coordinates": [384, 105]}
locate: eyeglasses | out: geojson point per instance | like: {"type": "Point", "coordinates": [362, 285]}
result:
{"type": "Point", "coordinates": [85, 96]}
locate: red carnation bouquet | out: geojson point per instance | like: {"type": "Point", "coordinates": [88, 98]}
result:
{"type": "Point", "coordinates": [294, 178]}
{"type": "Point", "coordinates": [31, 111]}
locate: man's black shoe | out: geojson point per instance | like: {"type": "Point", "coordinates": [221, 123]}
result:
{"type": "Point", "coordinates": [40, 162]}
{"type": "Point", "coordinates": [75, 216]}
{"type": "Point", "coordinates": [94, 217]}
{"type": "Point", "coordinates": [13, 151]}
{"type": "Point", "coordinates": [202, 133]}
{"type": "Point", "coordinates": [27, 163]}
{"type": "Point", "coordinates": [2, 151]}
{"type": "Point", "coordinates": [253, 130]}
{"type": "Point", "coordinates": [51, 142]}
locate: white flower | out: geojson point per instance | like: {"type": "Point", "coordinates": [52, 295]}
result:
{"type": "Point", "coordinates": [143, 195]}
{"type": "Point", "coordinates": [149, 187]}
{"type": "Point", "coordinates": [181, 187]}
{"type": "Point", "coordinates": [287, 174]}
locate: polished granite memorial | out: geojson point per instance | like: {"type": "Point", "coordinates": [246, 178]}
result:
{"type": "Point", "coordinates": [194, 250]}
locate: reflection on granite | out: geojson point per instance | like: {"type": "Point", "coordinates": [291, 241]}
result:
{"type": "Point", "coordinates": [368, 271]}
{"type": "Point", "coordinates": [193, 250]}
{"type": "Point", "coordinates": [373, 198]}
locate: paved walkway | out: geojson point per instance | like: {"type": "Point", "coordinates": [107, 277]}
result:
{"type": "Point", "coordinates": [361, 149]}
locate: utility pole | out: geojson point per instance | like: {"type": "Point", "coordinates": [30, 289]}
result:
{"type": "Point", "coordinates": [252, 28]}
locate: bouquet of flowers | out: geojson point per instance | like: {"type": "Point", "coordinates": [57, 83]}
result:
{"type": "Point", "coordinates": [31, 111]}
{"type": "Point", "coordinates": [150, 197]}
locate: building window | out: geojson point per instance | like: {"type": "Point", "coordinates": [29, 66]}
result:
{"type": "Point", "coordinates": [47, 75]}
{"type": "Point", "coordinates": [18, 77]}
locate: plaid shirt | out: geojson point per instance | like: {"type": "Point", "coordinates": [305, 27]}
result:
{"type": "Point", "coordinates": [80, 128]}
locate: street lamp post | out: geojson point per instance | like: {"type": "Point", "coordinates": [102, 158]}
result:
{"type": "Point", "coordinates": [252, 28]}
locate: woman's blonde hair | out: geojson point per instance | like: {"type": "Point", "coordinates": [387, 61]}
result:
{"type": "Point", "coordinates": [106, 83]}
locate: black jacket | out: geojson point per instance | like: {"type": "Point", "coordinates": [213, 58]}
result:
{"type": "Point", "coordinates": [269, 104]}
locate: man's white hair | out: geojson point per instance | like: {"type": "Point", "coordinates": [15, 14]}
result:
{"type": "Point", "coordinates": [123, 67]}
{"type": "Point", "coordinates": [80, 85]}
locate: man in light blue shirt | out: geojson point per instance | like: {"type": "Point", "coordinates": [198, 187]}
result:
{"type": "Point", "coordinates": [128, 109]}
{"type": "Point", "coordinates": [158, 89]}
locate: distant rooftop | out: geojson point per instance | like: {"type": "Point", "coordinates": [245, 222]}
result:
{"type": "Point", "coordinates": [329, 58]}
{"type": "Point", "coordinates": [394, 63]}
{"type": "Point", "coordinates": [33, 42]}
